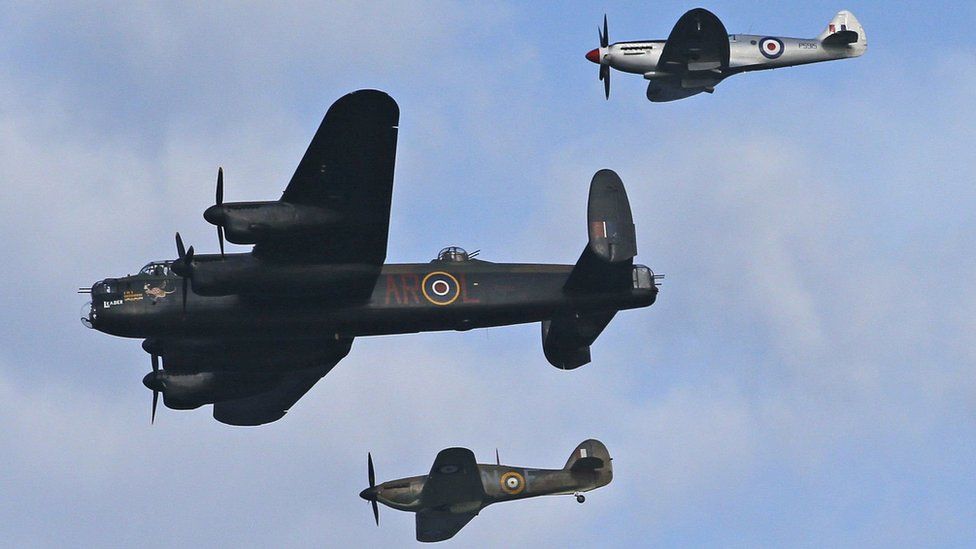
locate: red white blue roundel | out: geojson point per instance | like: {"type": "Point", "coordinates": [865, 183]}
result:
{"type": "Point", "coordinates": [771, 47]}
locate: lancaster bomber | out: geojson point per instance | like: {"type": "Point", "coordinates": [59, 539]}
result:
{"type": "Point", "coordinates": [252, 332]}
{"type": "Point", "coordinates": [699, 53]}
{"type": "Point", "coordinates": [457, 488]}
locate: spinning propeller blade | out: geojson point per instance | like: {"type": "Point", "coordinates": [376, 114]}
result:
{"type": "Point", "coordinates": [183, 266]}
{"type": "Point", "coordinates": [605, 36]}
{"type": "Point", "coordinates": [603, 54]}
{"type": "Point", "coordinates": [370, 472]}
{"type": "Point", "coordinates": [220, 201]}
{"type": "Point", "coordinates": [155, 367]}
{"type": "Point", "coordinates": [220, 186]}
{"type": "Point", "coordinates": [180, 250]}
{"type": "Point", "coordinates": [372, 484]}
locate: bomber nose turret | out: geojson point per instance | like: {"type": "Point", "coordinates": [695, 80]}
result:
{"type": "Point", "coordinates": [88, 315]}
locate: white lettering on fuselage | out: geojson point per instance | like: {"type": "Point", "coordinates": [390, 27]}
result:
{"type": "Point", "coordinates": [110, 304]}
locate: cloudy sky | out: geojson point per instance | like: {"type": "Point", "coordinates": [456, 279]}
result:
{"type": "Point", "coordinates": [806, 377]}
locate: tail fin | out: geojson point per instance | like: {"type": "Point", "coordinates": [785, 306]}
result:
{"type": "Point", "coordinates": [606, 262]}
{"type": "Point", "coordinates": [591, 456]}
{"type": "Point", "coordinates": [605, 267]}
{"type": "Point", "coordinates": [845, 31]}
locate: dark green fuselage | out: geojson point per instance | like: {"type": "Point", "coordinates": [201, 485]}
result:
{"type": "Point", "coordinates": [405, 298]}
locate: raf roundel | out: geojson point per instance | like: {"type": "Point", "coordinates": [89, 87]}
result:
{"type": "Point", "coordinates": [512, 483]}
{"type": "Point", "coordinates": [771, 47]}
{"type": "Point", "coordinates": [440, 288]}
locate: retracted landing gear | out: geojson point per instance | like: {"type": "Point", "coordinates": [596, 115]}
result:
{"type": "Point", "coordinates": [580, 498]}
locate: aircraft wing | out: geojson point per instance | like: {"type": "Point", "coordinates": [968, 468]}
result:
{"type": "Point", "coordinates": [270, 405]}
{"type": "Point", "coordinates": [250, 382]}
{"type": "Point", "coordinates": [347, 169]}
{"type": "Point", "coordinates": [440, 525]}
{"type": "Point", "coordinates": [454, 479]}
{"type": "Point", "coordinates": [698, 42]}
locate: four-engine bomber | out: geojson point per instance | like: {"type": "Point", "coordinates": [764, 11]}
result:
{"type": "Point", "coordinates": [252, 332]}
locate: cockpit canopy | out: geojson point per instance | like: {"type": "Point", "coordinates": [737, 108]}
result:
{"type": "Point", "coordinates": [156, 268]}
{"type": "Point", "coordinates": [455, 254]}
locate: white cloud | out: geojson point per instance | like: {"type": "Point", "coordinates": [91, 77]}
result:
{"type": "Point", "coordinates": [809, 358]}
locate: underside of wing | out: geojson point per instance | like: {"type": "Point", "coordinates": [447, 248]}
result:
{"type": "Point", "coordinates": [440, 525]}
{"type": "Point", "coordinates": [698, 42]}
{"type": "Point", "coordinates": [672, 88]}
{"type": "Point", "coordinates": [347, 170]}
{"type": "Point", "coordinates": [249, 382]}
{"type": "Point", "coordinates": [454, 480]}
{"type": "Point", "coordinates": [270, 405]}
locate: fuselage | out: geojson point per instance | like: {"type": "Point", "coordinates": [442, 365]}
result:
{"type": "Point", "coordinates": [500, 483]}
{"type": "Point", "coordinates": [746, 53]}
{"type": "Point", "coordinates": [406, 298]}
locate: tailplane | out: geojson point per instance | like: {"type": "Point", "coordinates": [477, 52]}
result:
{"type": "Point", "coordinates": [591, 457]}
{"type": "Point", "coordinates": [845, 31]}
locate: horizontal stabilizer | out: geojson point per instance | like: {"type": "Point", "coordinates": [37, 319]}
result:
{"type": "Point", "coordinates": [566, 340]}
{"type": "Point", "coordinates": [590, 456]}
{"type": "Point", "coordinates": [845, 34]}
{"type": "Point", "coordinates": [842, 38]}
{"type": "Point", "coordinates": [586, 464]}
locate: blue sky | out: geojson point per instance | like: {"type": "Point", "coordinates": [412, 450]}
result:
{"type": "Point", "coordinates": [806, 377]}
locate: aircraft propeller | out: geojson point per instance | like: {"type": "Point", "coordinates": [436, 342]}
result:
{"type": "Point", "coordinates": [155, 367]}
{"type": "Point", "coordinates": [152, 382]}
{"type": "Point", "coordinates": [183, 266]}
{"type": "Point", "coordinates": [219, 201]}
{"type": "Point", "coordinates": [370, 493]}
{"type": "Point", "coordinates": [605, 57]}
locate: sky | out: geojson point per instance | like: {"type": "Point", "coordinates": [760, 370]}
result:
{"type": "Point", "coordinates": [806, 377]}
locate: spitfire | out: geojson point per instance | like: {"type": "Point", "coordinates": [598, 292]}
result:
{"type": "Point", "coordinates": [699, 53]}
{"type": "Point", "coordinates": [457, 488]}
{"type": "Point", "coordinates": [252, 332]}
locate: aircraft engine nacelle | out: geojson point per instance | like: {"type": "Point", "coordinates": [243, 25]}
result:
{"type": "Point", "coordinates": [189, 391]}
{"type": "Point", "coordinates": [254, 222]}
{"type": "Point", "coordinates": [185, 387]}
